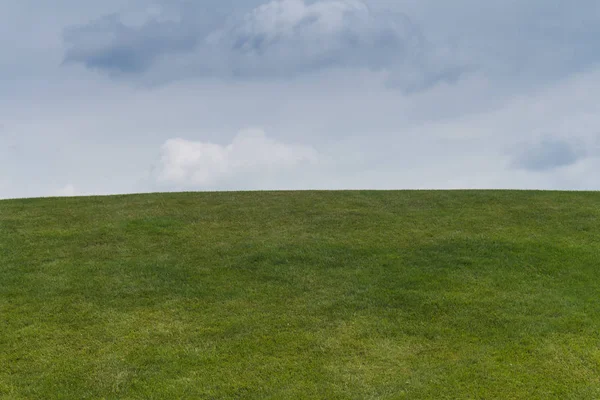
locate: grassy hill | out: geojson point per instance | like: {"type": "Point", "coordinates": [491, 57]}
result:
{"type": "Point", "coordinates": [301, 295]}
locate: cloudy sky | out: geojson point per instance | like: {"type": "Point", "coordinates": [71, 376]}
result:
{"type": "Point", "coordinates": [123, 96]}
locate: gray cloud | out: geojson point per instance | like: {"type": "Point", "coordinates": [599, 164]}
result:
{"type": "Point", "coordinates": [109, 45]}
{"type": "Point", "coordinates": [547, 154]}
{"type": "Point", "coordinates": [279, 39]}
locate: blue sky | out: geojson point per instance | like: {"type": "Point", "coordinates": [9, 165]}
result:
{"type": "Point", "coordinates": [140, 96]}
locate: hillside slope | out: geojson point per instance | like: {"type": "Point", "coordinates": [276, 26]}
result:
{"type": "Point", "coordinates": [331, 295]}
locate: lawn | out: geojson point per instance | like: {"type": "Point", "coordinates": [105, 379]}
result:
{"type": "Point", "coordinates": [301, 295]}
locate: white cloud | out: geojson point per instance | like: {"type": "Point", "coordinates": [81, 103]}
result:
{"type": "Point", "coordinates": [68, 190]}
{"type": "Point", "coordinates": [251, 157]}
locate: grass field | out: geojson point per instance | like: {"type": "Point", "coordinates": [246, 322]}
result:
{"type": "Point", "coordinates": [301, 295]}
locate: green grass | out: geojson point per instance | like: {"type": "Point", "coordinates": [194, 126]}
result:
{"type": "Point", "coordinates": [301, 295]}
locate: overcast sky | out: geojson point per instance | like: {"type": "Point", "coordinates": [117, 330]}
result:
{"type": "Point", "coordinates": [120, 96]}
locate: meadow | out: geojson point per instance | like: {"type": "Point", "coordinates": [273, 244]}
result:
{"type": "Point", "coordinates": [301, 295]}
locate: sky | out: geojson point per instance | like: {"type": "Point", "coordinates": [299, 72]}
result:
{"type": "Point", "coordinates": [130, 96]}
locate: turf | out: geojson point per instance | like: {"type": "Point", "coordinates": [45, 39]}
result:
{"type": "Point", "coordinates": [301, 295]}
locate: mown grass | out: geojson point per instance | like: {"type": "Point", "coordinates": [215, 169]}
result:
{"type": "Point", "coordinates": [301, 295]}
